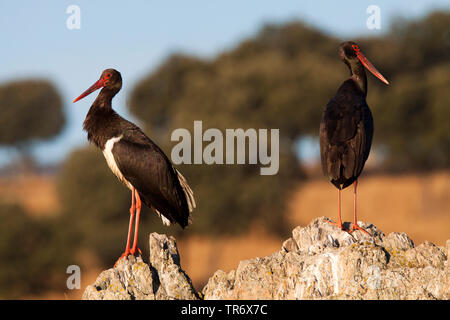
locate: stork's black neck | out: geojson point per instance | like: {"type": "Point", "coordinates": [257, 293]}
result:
{"type": "Point", "coordinates": [105, 97]}
{"type": "Point", "coordinates": [358, 74]}
{"type": "Point", "coordinates": [102, 122]}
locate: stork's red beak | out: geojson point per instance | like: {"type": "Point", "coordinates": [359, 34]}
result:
{"type": "Point", "coordinates": [99, 84]}
{"type": "Point", "coordinates": [368, 65]}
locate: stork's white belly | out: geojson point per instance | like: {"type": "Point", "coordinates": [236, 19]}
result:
{"type": "Point", "coordinates": [107, 152]}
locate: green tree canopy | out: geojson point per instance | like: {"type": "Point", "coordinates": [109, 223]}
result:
{"type": "Point", "coordinates": [31, 110]}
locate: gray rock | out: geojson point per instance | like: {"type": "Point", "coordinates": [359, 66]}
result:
{"type": "Point", "coordinates": [164, 257]}
{"type": "Point", "coordinates": [162, 278]}
{"type": "Point", "coordinates": [397, 241]}
{"type": "Point", "coordinates": [290, 245]}
{"type": "Point", "coordinates": [321, 261]}
{"type": "Point", "coordinates": [320, 235]}
{"type": "Point", "coordinates": [447, 245]}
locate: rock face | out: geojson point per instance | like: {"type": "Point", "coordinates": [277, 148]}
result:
{"type": "Point", "coordinates": [319, 261]}
{"type": "Point", "coordinates": [133, 279]}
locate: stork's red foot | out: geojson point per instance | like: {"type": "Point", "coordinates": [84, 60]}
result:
{"type": "Point", "coordinates": [124, 255]}
{"type": "Point", "coordinates": [133, 251]}
{"type": "Point", "coordinates": [337, 224]}
{"type": "Point", "coordinates": [356, 227]}
{"type": "Point", "coordinates": [128, 253]}
{"type": "Point", "coordinates": [353, 228]}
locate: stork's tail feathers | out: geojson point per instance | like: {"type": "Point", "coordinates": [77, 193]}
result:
{"type": "Point", "coordinates": [165, 221]}
{"type": "Point", "coordinates": [188, 193]}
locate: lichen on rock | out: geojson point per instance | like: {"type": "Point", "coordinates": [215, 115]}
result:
{"type": "Point", "coordinates": [319, 261]}
{"type": "Point", "coordinates": [131, 279]}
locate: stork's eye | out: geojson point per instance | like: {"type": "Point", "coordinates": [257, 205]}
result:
{"type": "Point", "coordinates": [355, 47]}
{"type": "Point", "coordinates": [108, 75]}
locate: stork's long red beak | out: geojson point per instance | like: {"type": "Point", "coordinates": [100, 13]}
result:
{"type": "Point", "coordinates": [368, 65]}
{"type": "Point", "coordinates": [99, 84]}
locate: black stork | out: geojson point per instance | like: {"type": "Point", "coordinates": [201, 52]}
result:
{"type": "Point", "coordinates": [136, 160]}
{"type": "Point", "coordinates": [346, 128]}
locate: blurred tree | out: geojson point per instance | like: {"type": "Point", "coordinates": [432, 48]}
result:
{"type": "Point", "coordinates": [422, 43]}
{"type": "Point", "coordinates": [31, 110]}
{"type": "Point", "coordinates": [409, 114]}
{"type": "Point", "coordinates": [34, 254]}
{"type": "Point", "coordinates": [169, 80]}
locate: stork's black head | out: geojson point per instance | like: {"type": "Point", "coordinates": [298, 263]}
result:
{"type": "Point", "coordinates": [110, 81]}
{"type": "Point", "coordinates": [347, 51]}
{"type": "Point", "coordinates": [351, 54]}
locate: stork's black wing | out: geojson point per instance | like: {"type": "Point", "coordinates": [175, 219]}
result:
{"type": "Point", "coordinates": [151, 173]}
{"type": "Point", "coordinates": [346, 132]}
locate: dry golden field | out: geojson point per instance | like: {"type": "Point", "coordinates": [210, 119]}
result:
{"type": "Point", "coordinates": [35, 193]}
{"type": "Point", "coordinates": [418, 204]}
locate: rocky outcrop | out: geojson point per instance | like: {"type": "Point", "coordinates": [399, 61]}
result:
{"type": "Point", "coordinates": [319, 261]}
{"type": "Point", "coordinates": [131, 279]}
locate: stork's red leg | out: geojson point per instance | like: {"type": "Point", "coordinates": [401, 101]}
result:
{"type": "Point", "coordinates": [339, 222]}
{"type": "Point", "coordinates": [355, 219]}
{"type": "Point", "coordinates": [136, 227]}
{"type": "Point", "coordinates": [132, 212]}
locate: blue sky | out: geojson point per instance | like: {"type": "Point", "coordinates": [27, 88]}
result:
{"type": "Point", "coordinates": [135, 36]}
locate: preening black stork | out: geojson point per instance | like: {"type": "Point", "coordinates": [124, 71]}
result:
{"type": "Point", "coordinates": [346, 128]}
{"type": "Point", "coordinates": [136, 160]}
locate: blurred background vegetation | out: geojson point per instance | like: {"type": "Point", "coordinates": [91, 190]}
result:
{"type": "Point", "coordinates": [280, 78]}
{"type": "Point", "coordinates": [32, 110]}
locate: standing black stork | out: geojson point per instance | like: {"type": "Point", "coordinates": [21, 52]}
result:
{"type": "Point", "coordinates": [346, 128]}
{"type": "Point", "coordinates": [136, 160]}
